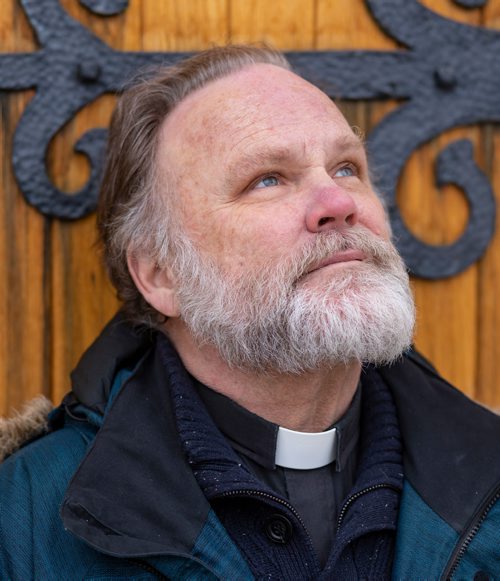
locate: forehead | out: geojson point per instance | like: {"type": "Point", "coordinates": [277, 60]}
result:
{"type": "Point", "coordinates": [260, 104]}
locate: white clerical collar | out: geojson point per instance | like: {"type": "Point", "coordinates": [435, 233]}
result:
{"type": "Point", "coordinates": [305, 450]}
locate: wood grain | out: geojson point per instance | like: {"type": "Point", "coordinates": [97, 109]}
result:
{"type": "Point", "coordinates": [447, 326]}
{"type": "Point", "coordinates": [54, 295]}
{"type": "Point", "coordinates": [24, 351]}
{"type": "Point", "coordinates": [447, 309]}
{"type": "Point", "coordinates": [488, 377]}
{"type": "Point", "coordinates": [284, 24]}
{"type": "Point", "coordinates": [344, 24]}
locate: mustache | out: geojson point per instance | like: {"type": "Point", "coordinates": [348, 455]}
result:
{"type": "Point", "coordinates": [376, 250]}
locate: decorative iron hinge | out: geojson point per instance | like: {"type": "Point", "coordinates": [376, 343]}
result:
{"type": "Point", "coordinates": [447, 75]}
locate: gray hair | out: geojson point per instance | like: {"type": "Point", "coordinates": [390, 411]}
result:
{"type": "Point", "coordinates": [136, 209]}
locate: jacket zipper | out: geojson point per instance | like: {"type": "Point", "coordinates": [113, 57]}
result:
{"type": "Point", "coordinates": [345, 507]}
{"type": "Point", "coordinates": [469, 534]}
{"type": "Point", "coordinates": [355, 496]}
{"type": "Point", "coordinates": [268, 497]}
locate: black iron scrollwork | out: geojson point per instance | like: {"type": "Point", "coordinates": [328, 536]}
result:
{"type": "Point", "coordinates": [447, 75]}
{"type": "Point", "coordinates": [471, 3]}
{"type": "Point", "coordinates": [105, 7]}
{"type": "Point", "coordinates": [72, 68]}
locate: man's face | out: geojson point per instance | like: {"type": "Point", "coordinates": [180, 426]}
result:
{"type": "Point", "coordinates": [262, 162]}
{"type": "Point", "coordinates": [285, 261]}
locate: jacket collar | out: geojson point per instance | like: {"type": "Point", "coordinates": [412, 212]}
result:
{"type": "Point", "coordinates": [450, 443]}
{"type": "Point", "coordinates": [119, 346]}
{"type": "Point", "coordinates": [125, 497]}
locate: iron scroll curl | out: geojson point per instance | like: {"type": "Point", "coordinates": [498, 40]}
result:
{"type": "Point", "coordinates": [447, 75]}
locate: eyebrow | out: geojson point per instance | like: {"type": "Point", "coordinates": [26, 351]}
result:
{"type": "Point", "coordinates": [255, 159]}
{"type": "Point", "coordinates": [265, 155]}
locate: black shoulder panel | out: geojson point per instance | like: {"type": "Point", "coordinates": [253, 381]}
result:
{"type": "Point", "coordinates": [451, 444]}
{"type": "Point", "coordinates": [119, 346]}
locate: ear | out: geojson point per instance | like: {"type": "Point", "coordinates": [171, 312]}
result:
{"type": "Point", "coordinates": [156, 285]}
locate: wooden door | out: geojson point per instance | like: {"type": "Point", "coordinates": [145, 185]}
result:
{"type": "Point", "coordinates": [54, 296]}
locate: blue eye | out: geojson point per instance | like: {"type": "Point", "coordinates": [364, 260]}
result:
{"type": "Point", "coordinates": [346, 171]}
{"type": "Point", "coordinates": [267, 182]}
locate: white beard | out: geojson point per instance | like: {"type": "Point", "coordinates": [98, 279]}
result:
{"type": "Point", "coordinates": [273, 321]}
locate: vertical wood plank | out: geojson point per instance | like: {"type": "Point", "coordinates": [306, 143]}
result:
{"type": "Point", "coordinates": [447, 326]}
{"type": "Point", "coordinates": [24, 349]}
{"type": "Point", "coordinates": [54, 295]}
{"type": "Point", "coordinates": [447, 320]}
{"type": "Point", "coordinates": [16, 34]}
{"type": "Point", "coordinates": [4, 286]}
{"type": "Point", "coordinates": [24, 270]}
{"type": "Point", "coordinates": [488, 379]}
{"type": "Point", "coordinates": [83, 299]}
{"type": "Point", "coordinates": [348, 24]}
{"type": "Point", "coordinates": [193, 25]}
{"type": "Point", "coordinates": [284, 24]}
{"type": "Point", "coordinates": [166, 25]}
{"type": "Point", "coordinates": [447, 309]}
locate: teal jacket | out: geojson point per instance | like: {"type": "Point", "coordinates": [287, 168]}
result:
{"type": "Point", "coordinates": [108, 494]}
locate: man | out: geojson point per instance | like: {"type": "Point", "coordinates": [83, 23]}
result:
{"type": "Point", "coordinates": [255, 411]}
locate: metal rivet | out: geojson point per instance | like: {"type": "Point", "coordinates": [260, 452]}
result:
{"type": "Point", "coordinates": [89, 71]}
{"type": "Point", "coordinates": [445, 76]}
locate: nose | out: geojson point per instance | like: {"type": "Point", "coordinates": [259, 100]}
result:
{"type": "Point", "coordinates": [331, 207]}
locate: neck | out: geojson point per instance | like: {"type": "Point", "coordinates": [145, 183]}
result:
{"type": "Point", "coordinates": [309, 402]}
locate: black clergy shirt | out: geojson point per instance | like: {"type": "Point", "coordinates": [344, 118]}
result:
{"type": "Point", "coordinates": [316, 494]}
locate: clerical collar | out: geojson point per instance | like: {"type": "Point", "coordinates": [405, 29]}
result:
{"type": "Point", "coordinates": [271, 445]}
{"type": "Point", "coordinates": [304, 450]}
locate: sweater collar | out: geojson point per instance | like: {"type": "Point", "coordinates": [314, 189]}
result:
{"type": "Point", "coordinates": [257, 438]}
{"type": "Point", "coordinates": [216, 464]}
{"type": "Point", "coordinates": [221, 473]}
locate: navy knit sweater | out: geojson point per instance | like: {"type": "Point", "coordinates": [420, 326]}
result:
{"type": "Point", "coordinates": [267, 529]}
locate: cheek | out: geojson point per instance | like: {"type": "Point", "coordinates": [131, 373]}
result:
{"type": "Point", "coordinates": [255, 239]}
{"type": "Point", "coordinates": [223, 236]}
{"type": "Point", "coordinates": [374, 217]}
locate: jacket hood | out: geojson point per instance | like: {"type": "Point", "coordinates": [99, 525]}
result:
{"type": "Point", "coordinates": [23, 426]}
